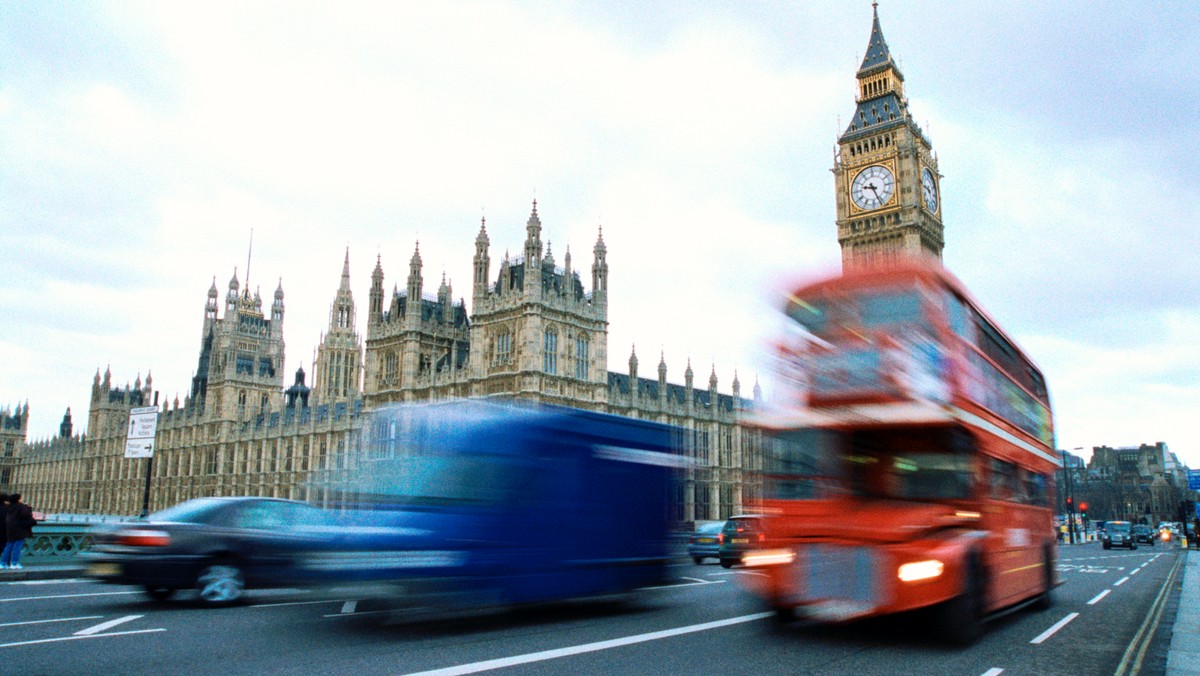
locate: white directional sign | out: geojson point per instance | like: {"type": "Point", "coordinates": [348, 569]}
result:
{"type": "Point", "coordinates": [139, 441]}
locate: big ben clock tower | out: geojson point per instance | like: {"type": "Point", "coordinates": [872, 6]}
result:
{"type": "Point", "coordinates": [888, 187]}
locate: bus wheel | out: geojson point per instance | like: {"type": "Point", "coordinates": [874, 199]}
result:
{"type": "Point", "coordinates": [1046, 600]}
{"type": "Point", "coordinates": [960, 619]}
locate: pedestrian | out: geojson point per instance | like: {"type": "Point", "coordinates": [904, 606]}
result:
{"type": "Point", "coordinates": [19, 522]}
{"type": "Point", "coordinates": [3, 519]}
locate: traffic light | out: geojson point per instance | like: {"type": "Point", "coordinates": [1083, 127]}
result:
{"type": "Point", "coordinates": [1083, 510]}
{"type": "Point", "coordinates": [1070, 503]}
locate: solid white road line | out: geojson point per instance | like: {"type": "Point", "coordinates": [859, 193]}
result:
{"type": "Point", "coordinates": [64, 619]}
{"type": "Point", "coordinates": [106, 625]}
{"type": "Point", "coordinates": [67, 596]}
{"type": "Point", "coordinates": [1098, 597]}
{"type": "Point", "coordinates": [1057, 625]}
{"type": "Point", "coordinates": [683, 584]}
{"type": "Point", "coordinates": [587, 647]}
{"type": "Point", "coordinates": [291, 603]}
{"type": "Point", "coordinates": [78, 638]}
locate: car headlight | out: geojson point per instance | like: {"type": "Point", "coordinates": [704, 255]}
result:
{"type": "Point", "coordinates": [920, 570]}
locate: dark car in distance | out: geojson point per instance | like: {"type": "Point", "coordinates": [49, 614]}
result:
{"type": "Point", "coordinates": [705, 542]}
{"type": "Point", "coordinates": [738, 535]}
{"type": "Point", "coordinates": [1144, 534]}
{"type": "Point", "coordinates": [1118, 534]}
{"type": "Point", "coordinates": [216, 546]}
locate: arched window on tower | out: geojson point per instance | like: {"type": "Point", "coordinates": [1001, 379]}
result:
{"type": "Point", "coordinates": [550, 352]}
{"type": "Point", "coordinates": [581, 357]}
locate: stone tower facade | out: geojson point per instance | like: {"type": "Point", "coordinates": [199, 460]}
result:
{"type": "Point", "coordinates": [240, 370]}
{"type": "Point", "coordinates": [885, 172]}
{"type": "Point", "coordinates": [536, 333]}
{"type": "Point", "coordinates": [340, 351]}
{"type": "Point", "coordinates": [14, 426]}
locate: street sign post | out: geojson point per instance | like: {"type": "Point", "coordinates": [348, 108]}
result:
{"type": "Point", "coordinates": [139, 442]}
{"type": "Point", "coordinates": [143, 423]}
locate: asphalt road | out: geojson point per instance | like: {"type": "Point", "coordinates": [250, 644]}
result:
{"type": "Point", "coordinates": [1104, 621]}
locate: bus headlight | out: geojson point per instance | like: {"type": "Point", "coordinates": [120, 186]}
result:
{"type": "Point", "coordinates": [768, 557]}
{"type": "Point", "coordinates": [920, 570]}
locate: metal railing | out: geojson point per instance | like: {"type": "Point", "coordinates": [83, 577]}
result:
{"type": "Point", "coordinates": [60, 540]}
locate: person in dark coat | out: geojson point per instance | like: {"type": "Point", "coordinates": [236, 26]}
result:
{"type": "Point", "coordinates": [4, 515]}
{"type": "Point", "coordinates": [19, 523]}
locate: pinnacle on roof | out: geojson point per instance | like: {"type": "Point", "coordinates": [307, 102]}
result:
{"type": "Point", "coordinates": [877, 49]}
{"type": "Point", "coordinates": [346, 270]}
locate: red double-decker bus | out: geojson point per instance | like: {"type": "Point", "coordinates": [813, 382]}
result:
{"type": "Point", "coordinates": [911, 463]}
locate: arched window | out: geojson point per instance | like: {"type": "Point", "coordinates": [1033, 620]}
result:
{"type": "Point", "coordinates": [581, 357]}
{"type": "Point", "coordinates": [550, 352]}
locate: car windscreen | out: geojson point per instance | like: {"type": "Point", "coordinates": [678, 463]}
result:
{"type": "Point", "coordinates": [1118, 527]}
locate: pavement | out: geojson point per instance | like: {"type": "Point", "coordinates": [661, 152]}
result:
{"type": "Point", "coordinates": [1183, 657]}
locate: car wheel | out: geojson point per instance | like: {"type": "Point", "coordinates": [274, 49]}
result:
{"type": "Point", "coordinates": [1107, 546]}
{"type": "Point", "coordinates": [1132, 547]}
{"type": "Point", "coordinates": [698, 559]}
{"type": "Point", "coordinates": [159, 593]}
{"type": "Point", "coordinates": [726, 563]}
{"type": "Point", "coordinates": [220, 584]}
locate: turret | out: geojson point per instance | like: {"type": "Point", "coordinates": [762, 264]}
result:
{"type": "Point", "coordinates": [662, 377]}
{"type": "Point", "coordinates": [375, 311]}
{"type": "Point", "coordinates": [445, 299]}
{"type": "Point", "coordinates": [210, 306]}
{"type": "Point", "coordinates": [482, 264]}
{"type": "Point", "coordinates": [600, 272]}
{"type": "Point", "coordinates": [231, 297]}
{"type": "Point", "coordinates": [688, 386]}
{"type": "Point", "coordinates": [568, 282]}
{"type": "Point", "coordinates": [533, 243]}
{"type": "Point", "coordinates": [65, 428]}
{"type": "Point", "coordinates": [277, 306]}
{"type": "Point", "coordinates": [415, 282]}
{"type": "Point", "coordinates": [633, 372]}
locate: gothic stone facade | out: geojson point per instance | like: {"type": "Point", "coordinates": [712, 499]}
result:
{"type": "Point", "coordinates": [534, 333]}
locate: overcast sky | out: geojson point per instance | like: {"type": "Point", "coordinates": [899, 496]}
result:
{"type": "Point", "coordinates": [140, 143]}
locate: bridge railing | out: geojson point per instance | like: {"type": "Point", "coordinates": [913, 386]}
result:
{"type": "Point", "coordinates": [60, 539]}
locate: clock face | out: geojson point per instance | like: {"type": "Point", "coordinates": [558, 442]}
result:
{"type": "Point", "coordinates": [873, 187]}
{"type": "Point", "coordinates": [929, 190]}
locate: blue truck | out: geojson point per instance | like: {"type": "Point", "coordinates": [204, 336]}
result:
{"type": "Point", "coordinates": [473, 503]}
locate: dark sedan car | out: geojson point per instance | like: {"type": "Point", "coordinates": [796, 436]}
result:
{"type": "Point", "coordinates": [738, 535]}
{"type": "Point", "coordinates": [1144, 534]}
{"type": "Point", "coordinates": [705, 542]}
{"type": "Point", "coordinates": [217, 546]}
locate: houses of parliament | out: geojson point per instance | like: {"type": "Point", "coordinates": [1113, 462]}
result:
{"type": "Point", "coordinates": [534, 331]}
